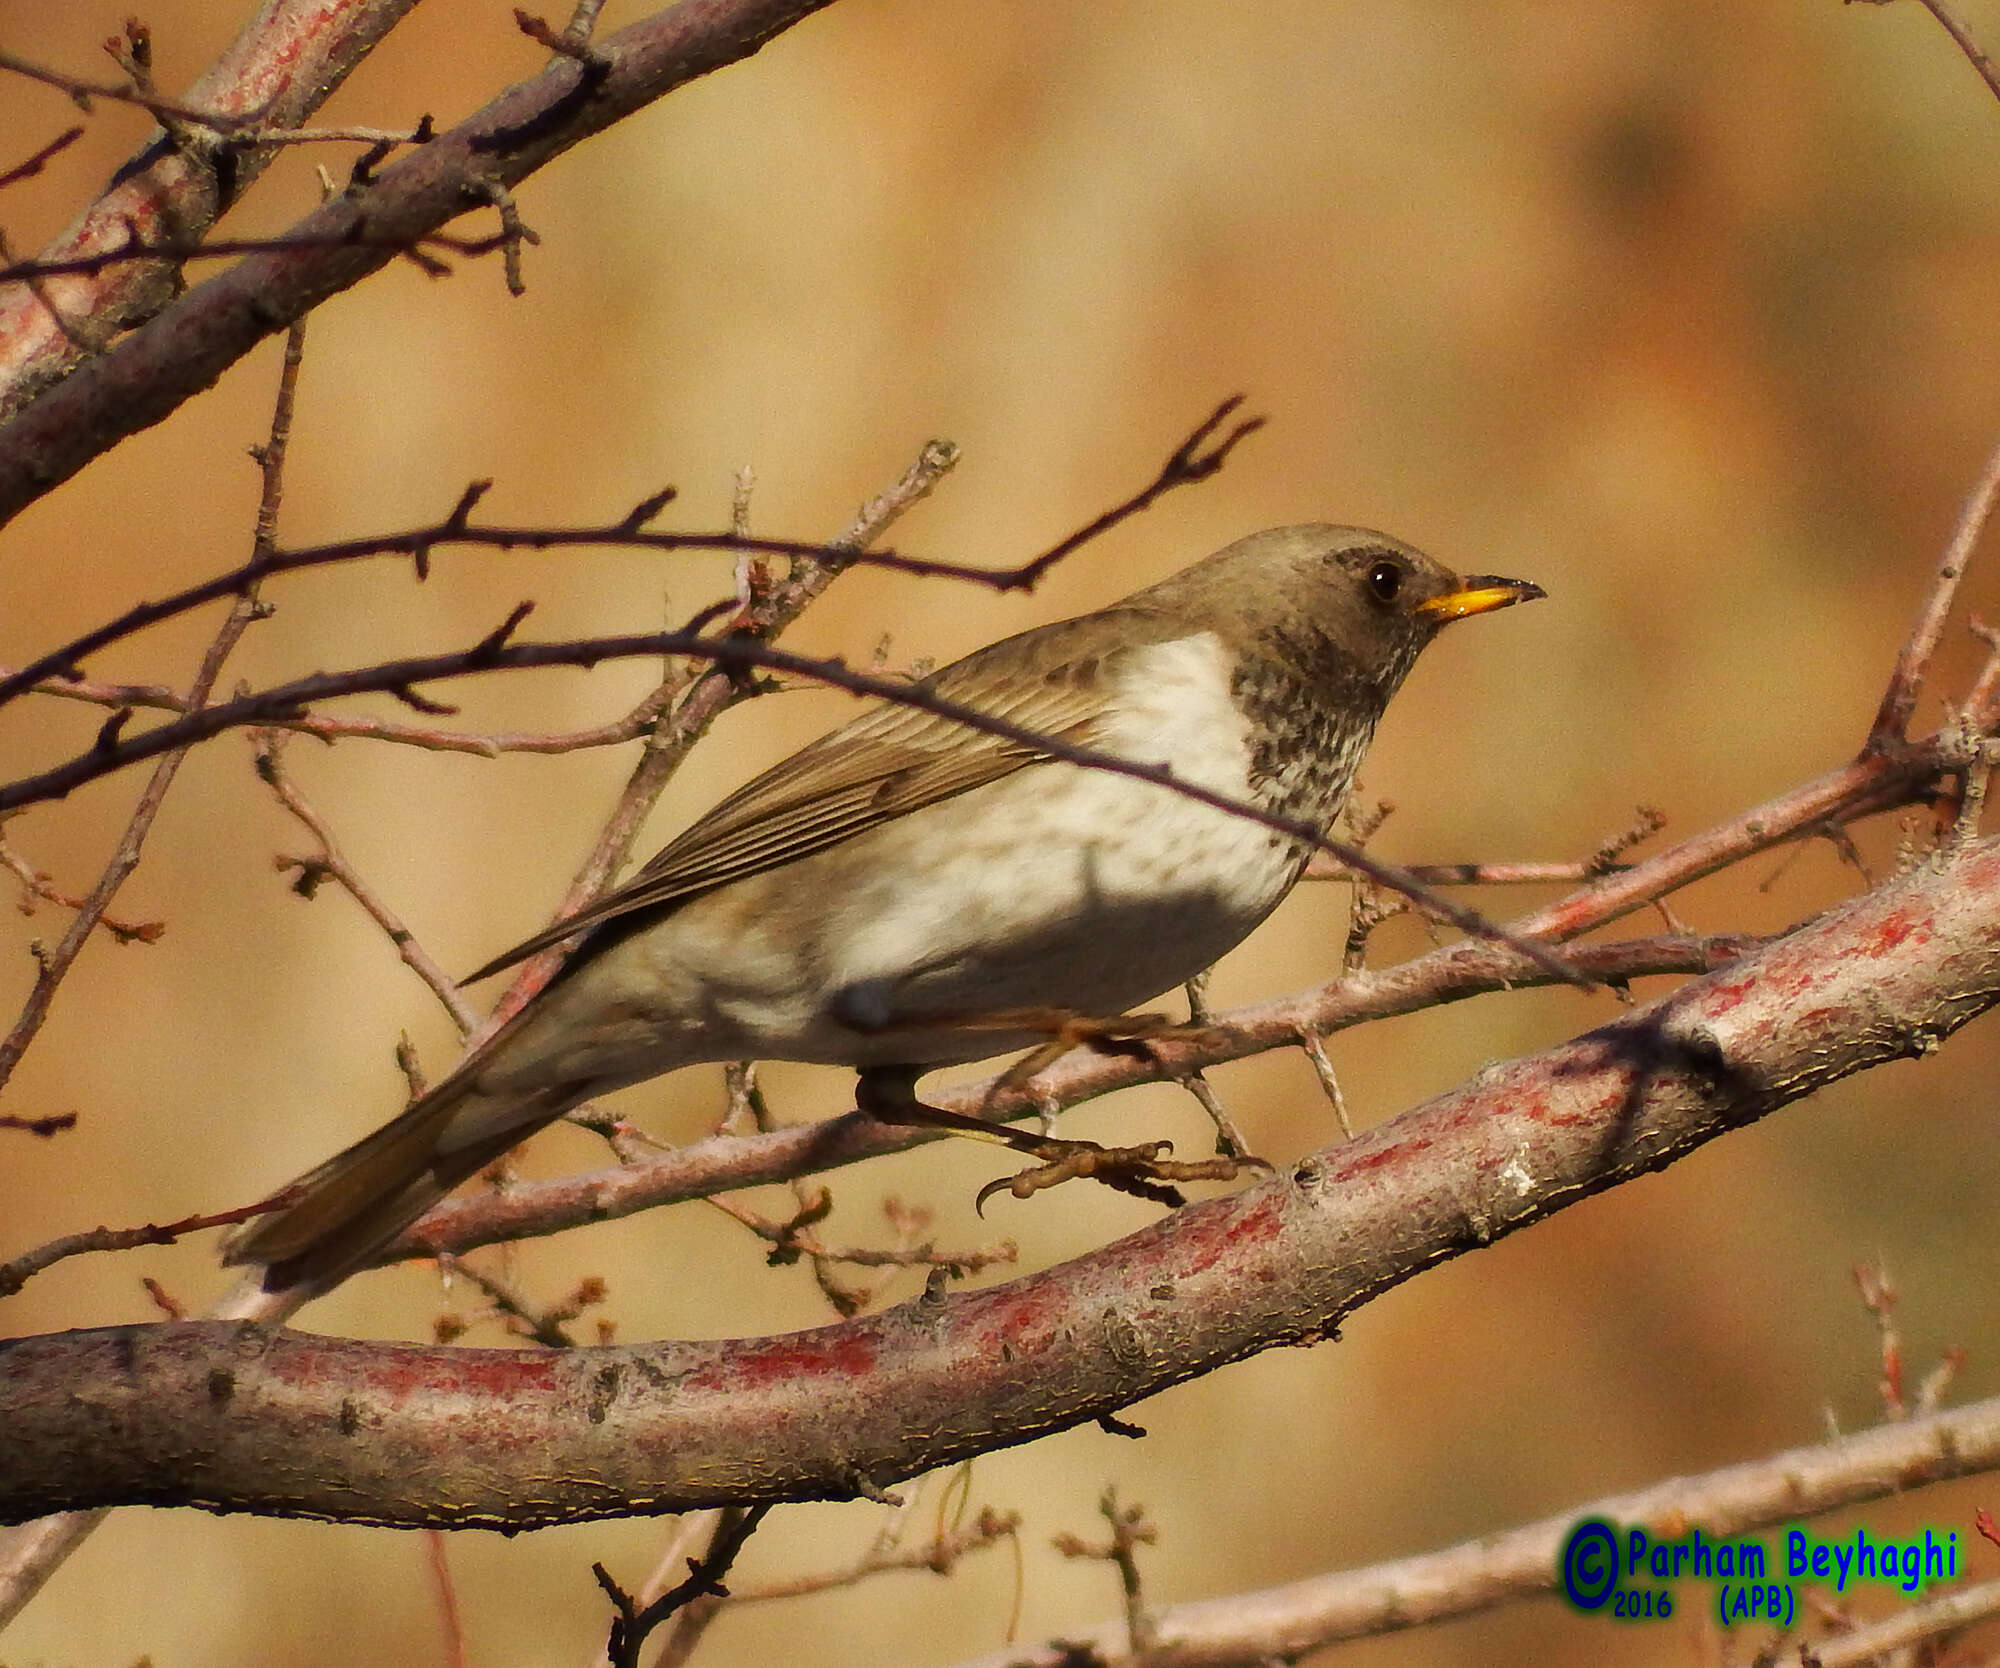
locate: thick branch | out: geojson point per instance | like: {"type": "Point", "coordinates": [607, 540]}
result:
{"type": "Point", "coordinates": [287, 61]}
{"type": "Point", "coordinates": [238, 1417]}
{"type": "Point", "coordinates": [190, 343]}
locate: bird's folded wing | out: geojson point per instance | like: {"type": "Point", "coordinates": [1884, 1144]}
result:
{"type": "Point", "coordinates": [890, 761]}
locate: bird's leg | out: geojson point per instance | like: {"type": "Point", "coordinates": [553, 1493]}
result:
{"type": "Point", "coordinates": [1128, 1034]}
{"type": "Point", "coordinates": [888, 1093]}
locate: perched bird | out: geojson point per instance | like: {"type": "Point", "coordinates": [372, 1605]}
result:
{"type": "Point", "coordinates": [907, 892]}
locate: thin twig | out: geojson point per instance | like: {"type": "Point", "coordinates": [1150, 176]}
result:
{"type": "Point", "coordinates": [429, 738]}
{"type": "Point", "coordinates": [1982, 699]}
{"type": "Point", "coordinates": [632, 1624]}
{"type": "Point", "coordinates": [688, 1528]}
{"type": "Point", "coordinates": [749, 1108]}
{"type": "Point", "coordinates": [331, 864]}
{"type": "Point", "coordinates": [162, 1299]}
{"type": "Point", "coordinates": [33, 165]}
{"type": "Point", "coordinates": [1324, 866]}
{"type": "Point", "coordinates": [1878, 1296]}
{"type": "Point", "coordinates": [791, 1241]}
{"type": "Point", "coordinates": [543, 1323]}
{"type": "Point", "coordinates": [36, 884]}
{"type": "Point", "coordinates": [938, 1555]}
{"type": "Point", "coordinates": [54, 965]}
{"type": "Point", "coordinates": [82, 91]}
{"type": "Point", "coordinates": [735, 651]}
{"type": "Point", "coordinates": [1955, 26]}
{"type": "Point", "coordinates": [447, 1597]}
{"type": "Point", "coordinates": [514, 231]}
{"type": "Point", "coordinates": [1314, 1046]}
{"type": "Point", "coordinates": [1899, 700]}
{"type": "Point", "coordinates": [1195, 459]}
{"type": "Point", "coordinates": [583, 19]}
{"type": "Point", "coordinates": [45, 1127]}
{"type": "Point", "coordinates": [18, 1271]}
{"type": "Point", "coordinates": [223, 248]}
{"type": "Point", "coordinates": [568, 43]}
{"type": "Point", "coordinates": [1603, 861]}
{"type": "Point", "coordinates": [1129, 1532]}
{"type": "Point", "coordinates": [1872, 782]}
{"type": "Point", "coordinates": [133, 53]}
{"type": "Point", "coordinates": [1187, 464]}
{"type": "Point", "coordinates": [1229, 1141]}
{"type": "Point", "coordinates": [248, 138]}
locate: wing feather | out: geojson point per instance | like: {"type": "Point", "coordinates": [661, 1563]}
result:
{"type": "Point", "coordinates": [886, 763]}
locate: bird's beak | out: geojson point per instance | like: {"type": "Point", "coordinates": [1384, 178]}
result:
{"type": "Point", "coordinates": [1480, 594]}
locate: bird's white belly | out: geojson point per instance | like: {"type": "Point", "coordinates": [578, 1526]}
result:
{"type": "Point", "coordinates": [1058, 887]}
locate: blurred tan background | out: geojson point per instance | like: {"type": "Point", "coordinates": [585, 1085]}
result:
{"type": "Point", "coordinates": [1683, 310]}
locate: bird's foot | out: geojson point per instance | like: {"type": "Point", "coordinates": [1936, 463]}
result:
{"type": "Point", "coordinates": [1141, 1171]}
{"type": "Point", "coordinates": [889, 1094]}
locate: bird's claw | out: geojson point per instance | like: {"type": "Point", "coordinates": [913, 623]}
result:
{"type": "Point", "coordinates": [1140, 1171]}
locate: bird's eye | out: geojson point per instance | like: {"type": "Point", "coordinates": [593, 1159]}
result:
{"type": "Point", "coordinates": [1385, 579]}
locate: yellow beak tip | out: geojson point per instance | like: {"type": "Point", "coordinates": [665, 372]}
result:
{"type": "Point", "coordinates": [1480, 594]}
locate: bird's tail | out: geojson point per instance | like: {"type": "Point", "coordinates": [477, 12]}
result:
{"type": "Point", "coordinates": [340, 1213]}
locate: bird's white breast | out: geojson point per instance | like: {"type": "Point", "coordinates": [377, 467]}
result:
{"type": "Point", "coordinates": [1056, 887]}
{"type": "Point", "coordinates": [1065, 886]}
{"type": "Point", "coordinates": [1173, 707]}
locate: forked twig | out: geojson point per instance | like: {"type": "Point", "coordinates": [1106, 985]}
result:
{"type": "Point", "coordinates": [1899, 700]}
{"type": "Point", "coordinates": [54, 965]}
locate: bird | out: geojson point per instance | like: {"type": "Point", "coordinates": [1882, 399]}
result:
{"type": "Point", "coordinates": [908, 892]}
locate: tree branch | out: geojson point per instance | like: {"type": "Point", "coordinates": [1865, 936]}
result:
{"type": "Point", "coordinates": [1900, 699]}
{"type": "Point", "coordinates": [288, 60]}
{"type": "Point", "coordinates": [815, 565]}
{"type": "Point", "coordinates": [189, 343]}
{"type": "Point", "coordinates": [1962, 37]}
{"type": "Point", "coordinates": [53, 967]}
{"type": "Point", "coordinates": [238, 1417]}
{"type": "Point", "coordinates": [1281, 1624]}
{"type": "Point", "coordinates": [736, 651]}
{"type": "Point", "coordinates": [530, 1209]}
{"type": "Point", "coordinates": [330, 863]}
